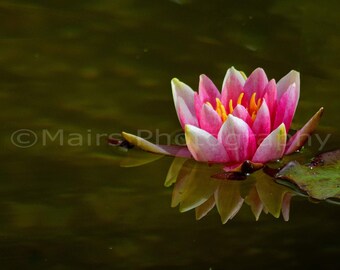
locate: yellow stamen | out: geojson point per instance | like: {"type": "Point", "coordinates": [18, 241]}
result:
{"type": "Point", "coordinates": [239, 100]}
{"type": "Point", "coordinates": [252, 104]}
{"type": "Point", "coordinates": [252, 108]}
{"type": "Point", "coordinates": [253, 116]}
{"type": "Point", "coordinates": [220, 109]}
{"type": "Point", "coordinates": [224, 113]}
{"type": "Point", "coordinates": [259, 103]}
{"type": "Point", "coordinates": [231, 106]}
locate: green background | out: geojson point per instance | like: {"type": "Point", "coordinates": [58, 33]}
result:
{"type": "Point", "coordinates": [100, 67]}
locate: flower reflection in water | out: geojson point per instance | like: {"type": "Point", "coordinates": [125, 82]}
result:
{"type": "Point", "coordinates": [202, 186]}
{"type": "Point", "coordinates": [196, 188]}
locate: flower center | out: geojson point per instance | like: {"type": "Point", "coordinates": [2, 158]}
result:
{"type": "Point", "coordinates": [252, 108]}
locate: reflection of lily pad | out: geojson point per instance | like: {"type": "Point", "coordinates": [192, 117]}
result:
{"type": "Point", "coordinates": [320, 179]}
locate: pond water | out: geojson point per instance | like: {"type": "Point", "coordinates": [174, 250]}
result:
{"type": "Point", "coordinates": [73, 72]}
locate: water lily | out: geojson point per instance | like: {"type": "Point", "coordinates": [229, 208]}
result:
{"type": "Point", "coordinates": [247, 121]}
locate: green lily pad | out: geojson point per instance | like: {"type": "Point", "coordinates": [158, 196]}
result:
{"type": "Point", "coordinates": [320, 179]}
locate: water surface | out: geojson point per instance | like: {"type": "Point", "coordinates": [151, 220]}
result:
{"type": "Point", "coordinates": [99, 67]}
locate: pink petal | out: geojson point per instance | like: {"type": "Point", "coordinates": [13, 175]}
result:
{"type": "Point", "coordinates": [237, 138]}
{"type": "Point", "coordinates": [232, 86]}
{"type": "Point", "coordinates": [210, 121]}
{"type": "Point", "coordinates": [283, 84]}
{"type": "Point", "coordinates": [208, 91]}
{"type": "Point", "coordinates": [272, 147]}
{"type": "Point", "coordinates": [241, 112]}
{"type": "Point", "coordinates": [256, 82]}
{"type": "Point", "coordinates": [198, 106]}
{"type": "Point", "coordinates": [271, 98]}
{"type": "Point", "coordinates": [204, 146]}
{"type": "Point", "coordinates": [233, 167]}
{"type": "Point", "coordinates": [181, 90]}
{"type": "Point", "coordinates": [262, 123]}
{"type": "Point", "coordinates": [184, 114]}
{"type": "Point", "coordinates": [286, 107]}
{"type": "Point", "coordinates": [302, 135]}
{"type": "Point", "coordinates": [170, 150]}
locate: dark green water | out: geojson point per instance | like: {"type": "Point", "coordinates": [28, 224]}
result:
{"type": "Point", "coordinates": [100, 67]}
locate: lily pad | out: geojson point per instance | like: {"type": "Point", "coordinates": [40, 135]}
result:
{"type": "Point", "coordinates": [320, 179]}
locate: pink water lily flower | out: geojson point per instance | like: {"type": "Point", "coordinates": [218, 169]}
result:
{"type": "Point", "coordinates": [247, 121]}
